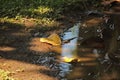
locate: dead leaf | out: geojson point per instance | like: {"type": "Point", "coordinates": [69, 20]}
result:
{"type": "Point", "coordinates": [53, 39]}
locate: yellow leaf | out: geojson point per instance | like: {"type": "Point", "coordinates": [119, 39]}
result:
{"type": "Point", "coordinates": [67, 59]}
{"type": "Point", "coordinates": [53, 39]}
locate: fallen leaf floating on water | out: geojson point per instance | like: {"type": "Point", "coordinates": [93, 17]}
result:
{"type": "Point", "coordinates": [72, 59]}
{"type": "Point", "coordinates": [53, 39]}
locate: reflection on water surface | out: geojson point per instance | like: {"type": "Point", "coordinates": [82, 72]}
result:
{"type": "Point", "coordinates": [84, 62]}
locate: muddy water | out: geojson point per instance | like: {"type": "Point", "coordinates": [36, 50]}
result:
{"type": "Point", "coordinates": [83, 57]}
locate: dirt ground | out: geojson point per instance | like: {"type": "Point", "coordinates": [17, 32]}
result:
{"type": "Point", "coordinates": [23, 55]}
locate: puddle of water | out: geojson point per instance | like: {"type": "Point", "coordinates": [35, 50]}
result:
{"type": "Point", "coordinates": [69, 50]}
{"type": "Point", "coordinates": [89, 66]}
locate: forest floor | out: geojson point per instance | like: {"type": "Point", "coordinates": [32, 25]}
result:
{"type": "Point", "coordinates": [23, 56]}
{"type": "Point", "coordinates": [20, 49]}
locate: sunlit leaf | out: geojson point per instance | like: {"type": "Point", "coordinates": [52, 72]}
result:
{"type": "Point", "coordinates": [71, 59]}
{"type": "Point", "coordinates": [53, 39]}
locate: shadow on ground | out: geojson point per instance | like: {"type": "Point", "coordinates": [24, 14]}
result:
{"type": "Point", "coordinates": [19, 48]}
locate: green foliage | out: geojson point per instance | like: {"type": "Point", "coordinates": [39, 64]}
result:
{"type": "Point", "coordinates": [44, 12]}
{"type": "Point", "coordinates": [37, 8]}
{"type": "Point", "coordinates": [12, 8]}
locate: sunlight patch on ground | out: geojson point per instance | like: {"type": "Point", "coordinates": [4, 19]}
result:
{"type": "Point", "coordinates": [48, 22]}
{"type": "Point", "coordinates": [7, 48]}
{"type": "Point", "coordinates": [31, 22]}
{"type": "Point", "coordinates": [43, 9]}
{"type": "Point", "coordinates": [18, 70]}
{"type": "Point", "coordinates": [39, 10]}
{"type": "Point", "coordinates": [5, 75]}
{"type": "Point", "coordinates": [37, 46]}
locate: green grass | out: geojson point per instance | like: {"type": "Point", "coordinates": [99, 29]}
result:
{"type": "Point", "coordinates": [37, 8]}
{"type": "Point", "coordinates": [30, 8]}
{"type": "Point", "coordinates": [44, 12]}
